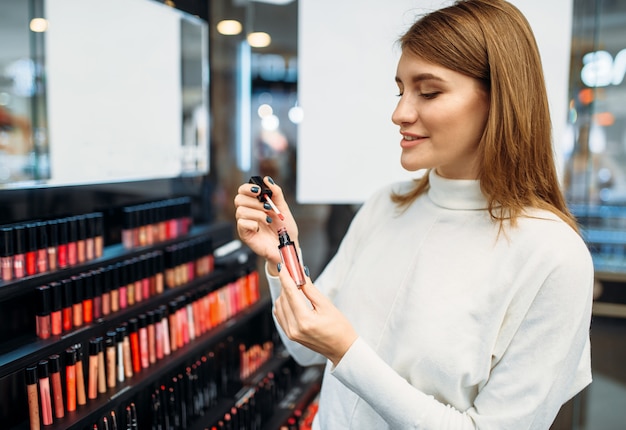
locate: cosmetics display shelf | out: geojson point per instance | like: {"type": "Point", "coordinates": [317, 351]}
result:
{"type": "Point", "coordinates": [143, 381]}
{"type": "Point", "coordinates": [220, 233]}
{"type": "Point", "coordinates": [31, 349]}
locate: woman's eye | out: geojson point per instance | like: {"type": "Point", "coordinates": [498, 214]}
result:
{"type": "Point", "coordinates": [429, 96]}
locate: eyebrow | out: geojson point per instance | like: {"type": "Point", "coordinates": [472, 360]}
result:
{"type": "Point", "coordinates": [422, 77]}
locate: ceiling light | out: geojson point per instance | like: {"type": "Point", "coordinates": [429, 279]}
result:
{"type": "Point", "coordinates": [259, 39]}
{"type": "Point", "coordinates": [229, 27]}
{"type": "Point", "coordinates": [38, 25]}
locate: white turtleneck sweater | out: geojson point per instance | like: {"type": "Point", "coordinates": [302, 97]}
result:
{"type": "Point", "coordinates": [459, 327]}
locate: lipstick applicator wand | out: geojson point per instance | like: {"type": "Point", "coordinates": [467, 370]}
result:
{"type": "Point", "coordinates": [265, 195]}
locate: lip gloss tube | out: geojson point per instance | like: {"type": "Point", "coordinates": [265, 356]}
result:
{"type": "Point", "coordinates": [70, 379]}
{"type": "Point", "coordinates": [290, 258]}
{"type": "Point", "coordinates": [52, 227]}
{"type": "Point", "coordinates": [128, 360]}
{"type": "Point", "coordinates": [92, 385]}
{"type": "Point", "coordinates": [133, 327]}
{"type": "Point", "coordinates": [98, 308]}
{"type": "Point", "coordinates": [166, 330]}
{"type": "Point", "coordinates": [78, 297]}
{"type": "Point", "coordinates": [81, 235]}
{"type": "Point", "coordinates": [62, 229]}
{"type": "Point", "coordinates": [151, 337]}
{"type": "Point", "coordinates": [90, 237]}
{"type": "Point", "coordinates": [143, 340]}
{"type": "Point", "coordinates": [6, 253]}
{"type": "Point", "coordinates": [19, 257]}
{"type": "Point", "coordinates": [87, 280]}
{"type": "Point", "coordinates": [98, 234]}
{"type": "Point", "coordinates": [56, 318]}
{"type": "Point", "coordinates": [33, 397]}
{"type": "Point", "coordinates": [115, 287]}
{"type": "Point", "coordinates": [173, 323]}
{"type": "Point", "coordinates": [102, 383]}
{"type": "Point", "coordinates": [81, 396]}
{"type": "Point", "coordinates": [72, 244]}
{"type": "Point", "coordinates": [123, 294]}
{"type": "Point", "coordinates": [106, 290]}
{"type": "Point", "coordinates": [54, 362]}
{"type": "Point", "coordinates": [158, 334]}
{"type": "Point", "coordinates": [43, 311]}
{"type": "Point", "coordinates": [68, 303]}
{"type": "Point", "coordinates": [42, 247]}
{"type": "Point", "coordinates": [128, 227]}
{"type": "Point", "coordinates": [44, 393]}
{"type": "Point", "coordinates": [31, 248]}
{"type": "Point", "coordinates": [109, 346]}
{"type": "Point", "coordinates": [119, 345]}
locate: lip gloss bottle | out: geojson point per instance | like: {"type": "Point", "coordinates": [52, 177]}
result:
{"type": "Point", "coordinates": [19, 256]}
{"type": "Point", "coordinates": [290, 258]}
{"type": "Point", "coordinates": [90, 237]}
{"type": "Point", "coordinates": [33, 397]}
{"type": "Point", "coordinates": [166, 330]}
{"type": "Point", "coordinates": [54, 362]}
{"type": "Point", "coordinates": [81, 242]}
{"type": "Point", "coordinates": [143, 340]}
{"type": "Point", "coordinates": [78, 296]}
{"type": "Point", "coordinates": [87, 281]}
{"type": "Point", "coordinates": [109, 346]}
{"type": "Point", "coordinates": [68, 303]}
{"type": "Point", "coordinates": [52, 227]}
{"type": "Point", "coordinates": [63, 235]}
{"type": "Point", "coordinates": [102, 384]}
{"type": "Point", "coordinates": [70, 379]}
{"type": "Point", "coordinates": [97, 277]}
{"type": "Point", "coordinates": [56, 317]}
{"type": "Point", "coordinates": [6, 253]}
{"type": "Point", "coordinates": [120, 333]}
{"type": "Point", "coordinates": [133, 326]}
{"type": "Point", "coordinates": [98, 218]}
{"type": "Point", "coordinates": [81, 397]}
{"type": "Point", "coordinates": [43, 311]}
{"type": "Point", "coordinates": [42, 247]}
{"type": "Point", "coordinates": [115, 286]}
{"type": "Point", "coordinates": [31, 248]}
{"type": "Point", "coordinates": [151, 337]}
{"type": "Point", "coordinates": [44, 393]}
{"type": "Point", "coordinates": [128, 359]}
{"type": "Point", "coordinates": [72, 244]}
{"type": "Point", "coordinates": [92, 385]}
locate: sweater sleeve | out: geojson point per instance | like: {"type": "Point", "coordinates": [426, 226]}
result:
{"type": "Point", "coordinates": [545, 364]}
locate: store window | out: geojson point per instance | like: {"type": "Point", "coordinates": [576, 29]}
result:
{"type": "Point", "coordinates": [595, 186]}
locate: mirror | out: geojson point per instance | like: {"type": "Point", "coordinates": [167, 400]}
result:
{"type": "Point", "coordinates": [101, 91]}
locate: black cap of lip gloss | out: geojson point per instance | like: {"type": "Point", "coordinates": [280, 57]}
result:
{"type": "Point", "coordinates": [70, 357]}
{"type": "Point", "coordinates": [142, 320]}
{"type": "Point", "coordinates": [87, 279]}
{"type": "Point", "coordinates": [81, 227]}
{"type": "Point", "coordinates": [95, 345]}
{"type": "Point", "coordinates": [6, 242]}
{"type": "Point", "coordinates": [63, 231]}
{"type": "Point", "coordinates": [97, 277]}
{"type": "Point", "coordinates": [78, 289]}
{"type": "Point", "coordinates": [42, 369]}
{"type": "Point", "coordinates": [56, 289]}
{"type": "Point", "coordinates": [42, 235]}
{"type": "Point", "coordinates": [110, 338]}
{"type": "Point", "coordinates": [31, 237]}
{"type": "Point", "coordinates": [133, 325]}
{"type": "Point", "coordinates": [19, 239]}
{"type": "Point", "coordinates": [53, 232]}
{"type": "Point", "coordinates": [128, 218]}
{"type": "Point", "coordinates": [265, 191]}
{"type": "Point", "coordinates": [66, 287]}
{"type": "Point", "coordinates": [54, 361]}
{"type": "Point", "coordinates": [120, 333]}
{"type": "Point", "coordinates": [44, 300]}
{"type": "Point", "coordinates": [72, 229]}
{"type": "Point", "coordinates": [31, 375]}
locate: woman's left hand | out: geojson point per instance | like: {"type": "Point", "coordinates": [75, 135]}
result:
{"type": "Point", "coordinates": [318, 325]}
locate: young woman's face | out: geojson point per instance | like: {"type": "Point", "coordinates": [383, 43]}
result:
{"type": "Point", "coordinates": [441, 115]}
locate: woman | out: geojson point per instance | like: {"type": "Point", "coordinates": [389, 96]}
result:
{"type": "Point", "coordinates": [461, 300]}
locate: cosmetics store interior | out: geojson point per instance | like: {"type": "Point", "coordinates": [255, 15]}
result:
{"type": "Point", "coordinates": [126, 301]}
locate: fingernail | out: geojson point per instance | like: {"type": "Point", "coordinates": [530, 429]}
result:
{"type": "Point", "coordinates": [269, 220]}
{"type": "Point", "coordinates": [279, 266]}
{"type": "Point", "coordinates": [306, 271]}
{"type": "Point", "coordinates": [269, 178]}
{"type": "Point", "coordinates": [266, 206]}
{"type": "Point", "coordinates": [254, 189]}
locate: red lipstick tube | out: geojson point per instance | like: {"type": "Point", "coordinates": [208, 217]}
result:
{"type": "Point", "coordinates": [290, 258]}
{"type": "Point", "coordinates": [87, 279]}
{"type": "Point", "coordinates": [133, 326]}
{"type": "Point", "coordinates": [62, 229]}
{"type": "Point", "coordinates": [31, 248]}
{"type": "Point", "coordinates": [68, 302]}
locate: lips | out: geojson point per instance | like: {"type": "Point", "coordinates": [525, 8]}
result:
{"type": "Point", "coordinates": [409, 139]}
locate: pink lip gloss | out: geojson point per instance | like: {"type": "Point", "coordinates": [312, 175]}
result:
{"type": "Point", "coordinates": [290, 258]}
{"type": "Point", "coordinates": [6, 253]}
{"type": "Point", "coordinates": [43, 312]}
{"type": "Point", "coordinates": [44, 393]}
{"type": "Point", "coordinates": [19, 257]}
{"type": "Point", "coordinates": [42, 247]}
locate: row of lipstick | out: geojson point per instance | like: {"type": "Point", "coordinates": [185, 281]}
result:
{"type": "Point", "coordinates": [36, 247]}
{"type": "Point", "coordinates": [80, 299]}
{"type": "Point", "coordinates": [150, 223]}
{"type": "Point", "coordinates": [131, 348]}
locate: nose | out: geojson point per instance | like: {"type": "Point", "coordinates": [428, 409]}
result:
{"type": "Point", "coordinates": [404, 113]}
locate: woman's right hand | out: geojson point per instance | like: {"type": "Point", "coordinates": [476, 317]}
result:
{"type": "Point", "coordinates": [258, 224]}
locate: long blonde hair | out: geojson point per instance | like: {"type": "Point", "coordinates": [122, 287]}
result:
{"type": "Point", "coordinates": [491, 41]}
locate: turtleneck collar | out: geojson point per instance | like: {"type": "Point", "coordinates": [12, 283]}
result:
{"type": "Point", "coordinates": [463, 194]}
